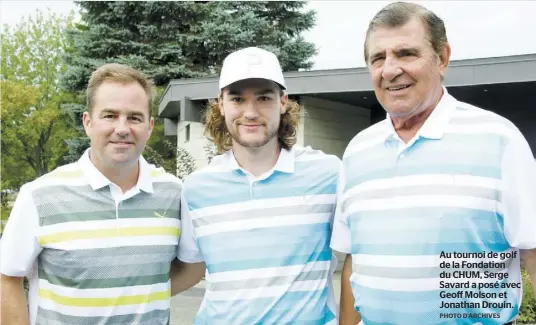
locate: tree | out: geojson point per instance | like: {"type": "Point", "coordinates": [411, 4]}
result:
{"type": "Point", "coordinates": [175, 40]}
{"type": "Point", "coordinates": [210, 151]}
{"type": "Point", "coordinates": [33, 127]}
{"type": "Point", "coordinates": [186, 163]}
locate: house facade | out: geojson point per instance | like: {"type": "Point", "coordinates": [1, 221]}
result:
{"type": "Point", "coordinates": [337, 104]}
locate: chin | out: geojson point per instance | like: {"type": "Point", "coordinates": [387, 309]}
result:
{"type": "Point", "coordinates": [123, 159]}
{"type": "Point", "coordinates": [252, 143]}
{"type": "Point", "coordinates": [400, 110]}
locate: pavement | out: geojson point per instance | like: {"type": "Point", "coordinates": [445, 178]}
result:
{"type": "Point", "coordinates": [184, 306]}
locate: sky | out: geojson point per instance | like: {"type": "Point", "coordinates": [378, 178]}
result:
{"type": "Point", "coordinates": [475, 29]}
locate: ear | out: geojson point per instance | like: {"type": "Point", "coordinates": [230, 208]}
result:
{"type": "Point", "coordinates": [151, 126]}
{"type": "Point", "coordinates": [444, 59]}
{"type": "Point", "coordinates": [284, 101]}
{"type": "Point", "coordinates": [86, 121]}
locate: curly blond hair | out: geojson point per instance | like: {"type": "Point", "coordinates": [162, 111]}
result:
{"type": "Point", "coordinates": [216, 130]}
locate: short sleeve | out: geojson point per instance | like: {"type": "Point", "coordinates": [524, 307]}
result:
{"type": "Point", "coordinates": [519, 193]}
{"type": "Point", "coordinates": [20, 248]}
{"type": "Point", "coordinates": [340, 237]}
{"type": "Point", "coordinates": [188, 250]}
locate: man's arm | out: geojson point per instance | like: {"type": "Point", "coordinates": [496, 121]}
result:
{"type": "Point", "coordinates": [19, 251]}
{"type": "Point", "coordinates": [341, 242]}
{"type": "Point", "coordinates": [348, 314]}
{"type": "Point", "coordinates": [185, 275]}
{"type": "Point", "coordinates": [528, 256]}
{"type": "Point", "coordinates": [13, 304]}
{"type": "Point", "coordinates": [189, 267]}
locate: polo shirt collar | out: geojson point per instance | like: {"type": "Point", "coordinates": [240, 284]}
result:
{"type": "Point", "coordinates": [435, 125]}
{"type": "Point", "coordinates": [284, 164]}
{"type": "Point", "coordinates": [97, 180]}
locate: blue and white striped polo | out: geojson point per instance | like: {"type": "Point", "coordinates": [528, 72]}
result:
{"type": "Point", "coordinates": [265, 240]}
{"type": "Point", "coordinates": [464, 184]}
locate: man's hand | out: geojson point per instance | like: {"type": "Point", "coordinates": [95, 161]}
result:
{"type": "Point", "coordinates": [528, 257]}
{"type": "Point", "coordinates": [348, 315]}
{"type": "Point", "coordinates": [13, 304]}
{"type": "Point", "coordinates": [185, 275]}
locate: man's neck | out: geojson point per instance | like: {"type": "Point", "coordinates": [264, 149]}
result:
{"type": "Point", "coordinates": [126, 177]}
{"type": "Point", "coordinates": [407, 127]}
{"type": "Point", "coordinates": [259, 160]}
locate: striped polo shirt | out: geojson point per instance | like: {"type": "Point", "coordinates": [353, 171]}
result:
{"type": "Point", "coordinates": [463, 186]}
{"type": "Point", "coordinates": [95, 255]}
{"type": "Point", "coordinates": [265, 240]}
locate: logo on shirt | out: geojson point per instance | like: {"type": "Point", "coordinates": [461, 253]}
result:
{"type": "Point", "coordinates": [158, 215]}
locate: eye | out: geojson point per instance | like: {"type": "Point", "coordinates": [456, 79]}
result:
{"type": "Point", "coordinates": [109, 116]}
{"type": "Point", "coordinates": [407, 54]}
{"type": "Point", "coordinates": [135, 118]}
{"type": "Point", "coordinates": [376, 59]}
{"type": "Point", "coordinates": [264, 98]}
{"type": "Point", "coordinates": [236, 99]}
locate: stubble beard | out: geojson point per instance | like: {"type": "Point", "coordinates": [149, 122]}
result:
{"type": "Point", "coordinates": [254, 144]}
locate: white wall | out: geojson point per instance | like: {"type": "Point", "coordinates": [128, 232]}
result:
{"type": "Point", "coordinates": [324, 125]}
{"type": "Point", "coordinates": [300, 136]}
{"type": "Point", "coordinates": [195, 145]}
{"type": "Point", "coordinates": [329, 126]}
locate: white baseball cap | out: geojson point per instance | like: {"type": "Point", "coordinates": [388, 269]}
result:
{"type": "Point", "coordinates": [249, 63]}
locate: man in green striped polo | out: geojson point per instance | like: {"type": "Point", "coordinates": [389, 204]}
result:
{"type": "Point", "coordinates": [96, 238]}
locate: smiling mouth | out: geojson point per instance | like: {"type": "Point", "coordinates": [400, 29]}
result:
{"type": "Point", "coordinates": [121, 143]}
{"type": "Point", "coordinates": [396, 88]}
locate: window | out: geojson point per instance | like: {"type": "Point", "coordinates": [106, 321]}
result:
{"type": "Point", "coordinates": [187, 131]}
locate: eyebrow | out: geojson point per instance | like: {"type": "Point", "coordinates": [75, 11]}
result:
{"type": "Point", "coordinates": [375, 55]}
{"type": "Point", "coordinates": [234, 92]}
{"type": "Point", "coordinates": [114, 111]}
{"type": "Point", "coordinates": [404, 50]}
{"type": "Point", "coordinates": [399, 51]}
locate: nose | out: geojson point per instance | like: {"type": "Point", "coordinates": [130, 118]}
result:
{"type": "Point", "coordinates": [250, 110]}
{"type": "Point", "coordinates": [391, 69]}
{"type": "Point", "coordinates": [122, 127]}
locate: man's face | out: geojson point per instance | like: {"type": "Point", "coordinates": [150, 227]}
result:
{"type": "Point", "coordinates": [406, 72]}
{"type": "Point", "coordinates": [252, 109]}
{"type": "Point", "coordinates": [119, 124]}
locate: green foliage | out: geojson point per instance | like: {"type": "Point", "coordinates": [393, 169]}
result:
{"type": "Point", "coordinates": [527, 313]}
{"type": "Point", "coordinates": [154, 157]}
{"type": "Point", "coordinates": [165, 147]}
{"type": "Point", "coordinates": [179, 39]}
{"type": "Point", "coordinates": [33, 127]}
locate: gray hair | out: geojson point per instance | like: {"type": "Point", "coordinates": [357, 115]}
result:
{"type": "Point", "coordinates": [399, 13]}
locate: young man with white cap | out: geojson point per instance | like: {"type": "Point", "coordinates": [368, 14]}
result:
{"type": "Point", "coordinates": [260, 215]}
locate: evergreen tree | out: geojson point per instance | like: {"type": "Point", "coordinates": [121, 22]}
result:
{"type": "Point", "coordinates": [175, 40]}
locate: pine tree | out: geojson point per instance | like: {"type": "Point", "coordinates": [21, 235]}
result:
{"type": "Point", "coordinates": [176, 40]}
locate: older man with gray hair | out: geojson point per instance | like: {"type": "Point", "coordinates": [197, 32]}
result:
{"type": "Point", "coordinates": [436, 180]}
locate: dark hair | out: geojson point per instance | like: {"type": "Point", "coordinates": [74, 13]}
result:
{"type": "Point", "coordinates": [399, 13]}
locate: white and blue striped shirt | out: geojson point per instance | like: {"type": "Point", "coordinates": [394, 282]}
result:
{"type": "Point", "coordinates": [465, 183]}
{"type": "Point", "coordinates": [265, 240]}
